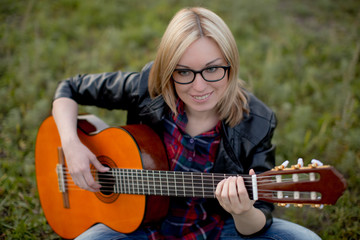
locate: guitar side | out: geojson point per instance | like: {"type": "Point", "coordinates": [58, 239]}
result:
{"type": "Point", "coordinates": [123, 212]}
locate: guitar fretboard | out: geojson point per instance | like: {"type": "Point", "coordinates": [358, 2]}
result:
{"type": "Point", "coordinates": [168, 183]}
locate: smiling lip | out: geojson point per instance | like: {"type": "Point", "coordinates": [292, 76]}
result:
{"type": "Point", "coordinates": [201, 97]}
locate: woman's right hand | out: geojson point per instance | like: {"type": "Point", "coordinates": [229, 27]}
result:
{"type": "Point", "coordinates": [78, 159]}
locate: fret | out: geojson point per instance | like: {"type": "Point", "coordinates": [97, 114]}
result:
{"type": "Point", "coordinates": [198, 186]}
{"type": "Point", "coordinates": [128, 181]}
{"type": "Point", "coordinates": [171, 180]}
{"type": "Point", "coordinates": [121, 181]}
{"type": "Point", "coordinates": [118, 173]}
{"type": "Point", "coordinates": [192, 182]}
{"type": "Point", "coordinates": [182, 173]}
{"type": "Point", "coordinates": [138, 183]}
{"type": "Point", "coordinates": [178, 184]}
{"type": "Point", "coordinates": [167, 182]}
{"type": "Point", "coordinates": [118, 182]}
{"type": "Point", "coordinates": [153, 173]}
{"type": "Point", "coordinates": [120, 176]}
{"type": "Point", "coordinates": [202, 183]}
{"type": "Point", "coordinates": [142, 182]}
{"type": "Point", "coordinates": [132, 181]}
{"type": "Point", "coordinates": [213, 184]}
{"type": "Point", "coordinates": [123, 177]}
{"type": "Point", "coordinates": [175, 187]}
{"type": "Point", "coordinates": [148, 181]}
{"type": "Point", "coordinates": [208, 185]}
{"type": "Point", "coordinates": [116, 186]}
{"type": "Point", "coordinates": [160, 183]}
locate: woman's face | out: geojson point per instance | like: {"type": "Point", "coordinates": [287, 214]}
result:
{"type": "Point", "coordinates": [201, 96]}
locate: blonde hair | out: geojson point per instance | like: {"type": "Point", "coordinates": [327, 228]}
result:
{"type": "Point", "coordinates": [187, 26]}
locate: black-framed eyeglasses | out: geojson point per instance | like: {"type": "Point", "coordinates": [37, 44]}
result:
{"type": "Point", "coordinates": [209, 74]}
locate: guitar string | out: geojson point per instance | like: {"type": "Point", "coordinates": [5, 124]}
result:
{"type": "Point", "coordinates": [134, 189]}
{"type": "Point", "coordinates": [288, 196]}
{"type": "Point", "coordinates": [198, 189]}
{"type": "Point", "coordinates": [261, 181]}
{"type": "Point", "coordinates": [135, 172]}
{"type": "Point", "coordinates": [160, 172]}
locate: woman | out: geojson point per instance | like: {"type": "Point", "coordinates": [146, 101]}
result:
{"type": "Point", "coordinates": [192, 97]}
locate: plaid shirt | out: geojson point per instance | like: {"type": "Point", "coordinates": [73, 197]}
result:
{"type": "Point", "coordinates": [187, 218]}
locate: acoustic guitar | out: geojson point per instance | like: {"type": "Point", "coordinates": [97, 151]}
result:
{"type": "Point", "coordinates": [136, 190]}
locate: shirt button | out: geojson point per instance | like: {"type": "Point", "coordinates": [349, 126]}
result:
{"type": "Point", "coordinates": [192, 140]}
{"type": "Point", "coordinates": [190, 158]}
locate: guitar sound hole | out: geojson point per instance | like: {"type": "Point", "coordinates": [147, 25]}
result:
{"type": "Point", "coordinates": [107, 182]}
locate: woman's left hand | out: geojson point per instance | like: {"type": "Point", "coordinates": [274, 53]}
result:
{"type": "Point", "coordinates": [233, 196]}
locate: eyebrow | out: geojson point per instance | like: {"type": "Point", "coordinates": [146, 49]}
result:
{"type": "Point", "coordinates": [209, 63]}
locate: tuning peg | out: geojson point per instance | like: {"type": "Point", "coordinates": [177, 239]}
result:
{"type": "Point", "coordinates": [282, 166]}
{"type": "Point", "coordinates": [299, 205]}
{"type": "Point", "coordinates": [300, 164]}
{"type": "Point", "coordinates": [316, 163]}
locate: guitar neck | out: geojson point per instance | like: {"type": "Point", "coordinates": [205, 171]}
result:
{"type": "Point", "coordinates": [164, 183]}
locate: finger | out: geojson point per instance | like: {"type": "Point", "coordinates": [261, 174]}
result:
{"type": "Point", "coordinates": [243, 193]}
{"type": "Point", "coordinates": [222, 194]}
{"type": "Point", "coordinates": [79, 181]}
{"type": "Point", "coordinates": [219, 188]}
{"type": "Point", "coordinates": [241, 190]}
{"type": "Point", "coordinates": [252, 172]}
{"type": "Point", "coordinates": [94, 161]}
{"type": "Point", "coordinates": [225, 190]}
{"type": "Point", "coordinates": [233, 191]}
{"type": "Point", "coordinates": [83, 179]}
{"type": "Point", "coordinates": [90, 183]}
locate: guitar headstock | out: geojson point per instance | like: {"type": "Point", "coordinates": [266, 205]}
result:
{"type": "Point", "coordinates": [314, 185]}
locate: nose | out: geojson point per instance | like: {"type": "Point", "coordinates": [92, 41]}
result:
{"type": "Point", "coordinates": [199, 82]}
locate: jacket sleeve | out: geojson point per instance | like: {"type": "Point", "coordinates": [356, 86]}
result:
{"type": "Point", "coordinates": [115, 90]}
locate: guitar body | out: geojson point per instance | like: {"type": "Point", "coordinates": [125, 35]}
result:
{"type": "Point", "coordinates": [71, 213]}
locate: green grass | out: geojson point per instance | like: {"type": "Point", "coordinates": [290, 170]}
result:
{"type": "Point", "coordinates": [300, 57]}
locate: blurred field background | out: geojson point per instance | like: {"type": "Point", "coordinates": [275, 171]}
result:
{"type": "Point", "coordinates": [300, 57]}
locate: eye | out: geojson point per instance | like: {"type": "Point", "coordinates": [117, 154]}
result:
{"type": "Point", "coordinates": [183, 73]}
{"type": "Point", "coordinates": [211, 69]}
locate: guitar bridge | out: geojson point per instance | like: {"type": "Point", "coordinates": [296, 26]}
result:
{"type": "Point", "coordinates": [61, 178]}
{"type": "Point", "coordinates": [60, 174]}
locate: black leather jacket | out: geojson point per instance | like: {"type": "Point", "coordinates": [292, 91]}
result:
{"type": "Point", "coordinates": [245, 146]}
